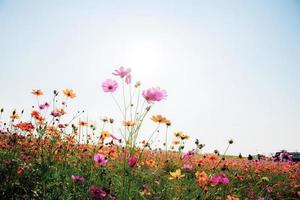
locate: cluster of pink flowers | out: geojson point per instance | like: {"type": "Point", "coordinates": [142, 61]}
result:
{"type": "Point", "coordinates": [219, 179]}
{"type": "Point", "coordinates": [151, 95]}
{"type": "Point", "coordinates": [100, 159]}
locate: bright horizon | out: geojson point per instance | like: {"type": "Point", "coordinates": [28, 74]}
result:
{"type": "Point", "coordinates": [231, 69]}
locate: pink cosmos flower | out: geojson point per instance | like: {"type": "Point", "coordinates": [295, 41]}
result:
{"type": "Point", "coordinates": [55, 114]}
{"type": "Point", "coordinates": [97, 192]}
{"type": "Point", "coordinates": [43, 106]}
{"type": "Point", "coordinates": [122, 72]}
{"type": "Point", "coordinates": [100, 159]}
{"type": "Point", "coordinates": [219, 179]}
{"type": "Point", "coordinates": [78, 179]}
{"type": "Point", "coordinates": [109, 85]}
{"type": "Point", "coordinates": [261, 198]}
{"type": "Point", "coordinates": [62, 125]}
{"type": "Point", "coordinates": [154, 94]}
{"type": "Point", "coordinates": [188, 166]}
{"type": "Point", "coordinates": [188, 154]}
{"type": "Point", "coordinates": [132, 161]}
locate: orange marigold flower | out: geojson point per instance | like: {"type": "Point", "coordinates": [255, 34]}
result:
{"type": "Point", "coordinates": [128, 123]}
{"type": "Point", "coordinates": [69, 93]}
{"type": "Point", "coordinates": [37, 92]}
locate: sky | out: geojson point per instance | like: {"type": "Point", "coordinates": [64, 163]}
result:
{"type": "Point", "coordinates": [231, 68]}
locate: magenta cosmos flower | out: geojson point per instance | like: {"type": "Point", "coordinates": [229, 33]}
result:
{"type": "Point", "coordinates": [154, 94]}
{"type": "Point", "coordinates": [132, 161]}
{"type": "Point", "coordinates": [122, 72]}
{"type": "Point", "coordinates": [97, 192]}
{"type": "Point", "coordinates": [100, 159]}
{"type": "Point", "coordinates": [78, 179]}
{"type": "Point", "coordinates": [219, 179]}
{"type": "Point", "coordinates": [109, 85]}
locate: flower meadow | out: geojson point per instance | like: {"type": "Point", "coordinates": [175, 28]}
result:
{"type": "Point", "coordinates": [53, 156]}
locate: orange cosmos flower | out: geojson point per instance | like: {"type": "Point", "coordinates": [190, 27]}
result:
{"type": "Point", "coordinates": [35, 114]}
{"type": "Point", "coordinates": [105, 134]}
{"type": "Point", "coordinates": [37, 92]}
{"type": "Point", "coordinates": [229, 197]}
{"type": "Point", "coordinates": [25, 126]}
{"type": "Point", "coordinates": [201, 179]}
{"type": "Point", "coordinates": [176, 142]}
{"type": "Point", "coordinates": [150, 163]}
{"type": "Point", "coordinates": [15, 116]}
{"type": "Point", "coordinates": [83, 123]}
{"type": "Point", "coordinates": [69, 93]}
{"type": "Point", "coordinates": [128, 123]}
{"type": "Point", "coordinates": [168, 122]}
{"type": "Point", "coordinates": [158, 118]}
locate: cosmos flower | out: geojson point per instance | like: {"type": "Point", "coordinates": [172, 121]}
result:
{"type": "Point", "coordinates": [188, 154]}
{"type": "Point", "coordinates": [105, 134]}
{"type": "Point", "coordinates": [15, 116]}
{"type": "Point", "coordinates": [37, 92]}
{"type": "Point", "coordinates": [97, 192]}
{"type": "Point", "coordinates": [128, 123]}
{"type": "Point", "coordinates": [100, 159]}
{"type": "Point", "coordinates": [83, 123]}
{"type": "Point", "coordinates": [154, 94]}
{"type": "Point", "coordinates": [219, 179]}
{"type": "Point", "coordinates": [43, 106]}
{"type": "Point", "coordinates": [132, 161]}
{"type": "Point", "coordinates": [109, 85]}
{"type": "Point", "coordinates": [188, 166]}
{"type": "Point", "coordinates": [201, 179]}
{"type": "Point", "coordinates": [25, 126]}
{"type": "Point", "coordinates": [122, 72]}
{"type": "Point", "coordinates": [176, 175]}
{"type": "Point", "coordinates": [229, 197]}
{"type": "Point", "coordinates": [158, 118]}
{"type": "Point", "coordinates": [69, 93]}
{"type": "Point", "coordinates": [78, 179]}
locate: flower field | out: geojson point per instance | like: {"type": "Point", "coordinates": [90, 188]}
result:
{"type": "Point", "coordinates": [50, 157]}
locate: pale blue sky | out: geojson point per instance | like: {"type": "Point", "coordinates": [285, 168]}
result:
{"type": "Point", "coordinates": [231, 68]}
